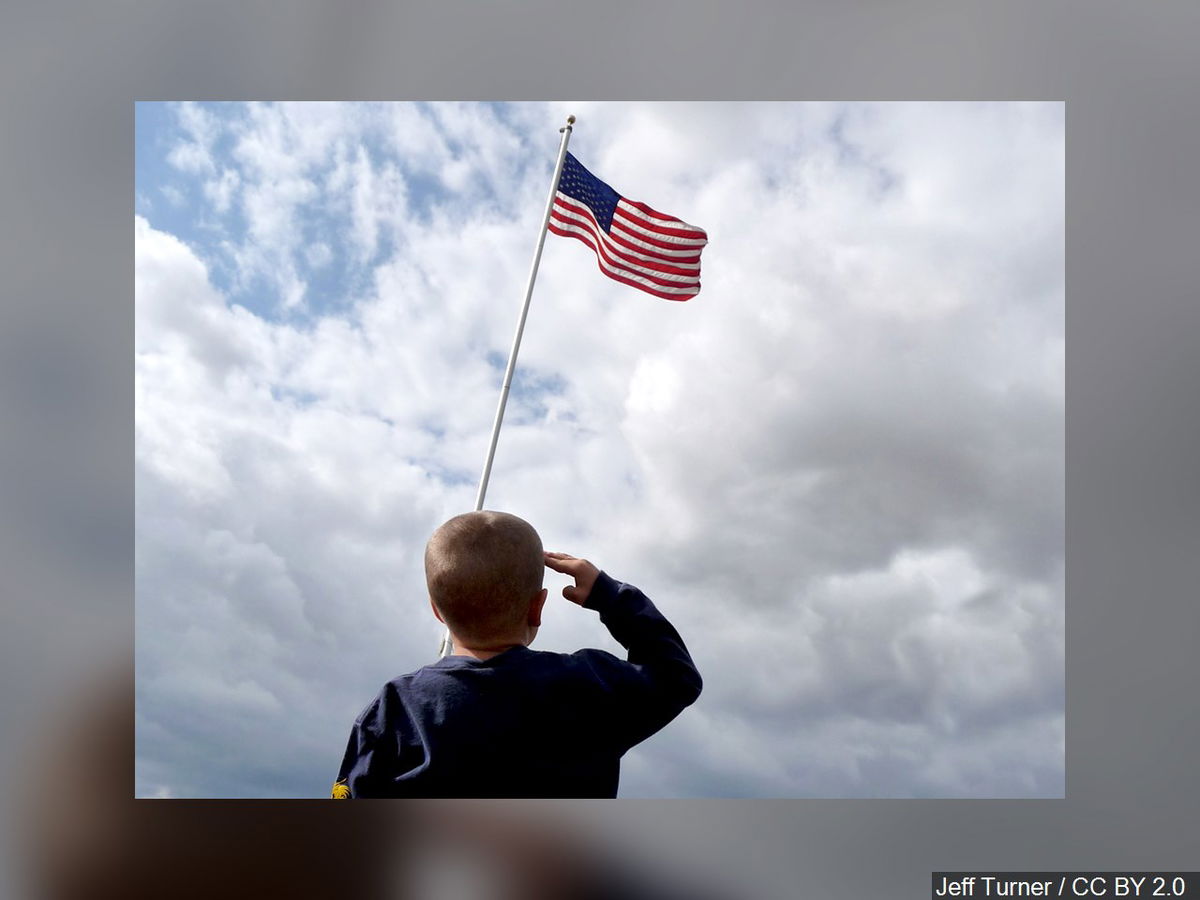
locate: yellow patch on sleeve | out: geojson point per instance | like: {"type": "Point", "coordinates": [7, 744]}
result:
{"type": "Point", "coordinates": [341, 791]}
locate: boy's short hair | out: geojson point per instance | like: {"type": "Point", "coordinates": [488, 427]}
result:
{"type": "Point", "coordinates": [483, 569]}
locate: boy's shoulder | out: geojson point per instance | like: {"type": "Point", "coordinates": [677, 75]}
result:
{"type": "Point", "coordinates": [519, 663]}
{"type": "Point", "coordinates": [517, 659]}
{"type": "Point", "coordinates": [455, 682]}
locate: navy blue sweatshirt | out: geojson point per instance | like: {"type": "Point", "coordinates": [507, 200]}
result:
{"type": "Point", "coordinates": [525, 723]}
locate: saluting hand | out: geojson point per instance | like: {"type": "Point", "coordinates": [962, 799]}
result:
{"type": "Point", "coordinates": [581, 570]}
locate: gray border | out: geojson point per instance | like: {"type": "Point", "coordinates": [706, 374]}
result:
{"type": "Point", "coordinates": [1128, 76]}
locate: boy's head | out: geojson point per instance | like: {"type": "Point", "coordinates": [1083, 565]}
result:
{"type": "Point", "coordinates": [484, 571]}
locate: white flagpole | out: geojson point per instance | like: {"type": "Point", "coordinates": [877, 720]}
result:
{"type": "Point", "coordinates": [447, 645]}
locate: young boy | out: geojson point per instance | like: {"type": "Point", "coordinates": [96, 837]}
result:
{"type": "Point", "coordinates": [497, 719]}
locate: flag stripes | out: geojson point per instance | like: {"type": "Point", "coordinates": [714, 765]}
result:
{"type": "Point", "coordinates": [634, 244]}
{"type": "Point", "coordinates": [622, 251]}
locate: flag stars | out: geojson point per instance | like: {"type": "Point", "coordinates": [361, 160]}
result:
{"type": "Point", "coordinates": [581, 185]}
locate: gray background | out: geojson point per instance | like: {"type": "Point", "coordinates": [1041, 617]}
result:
{"type": "Point", "coordinates": [1128, 74]}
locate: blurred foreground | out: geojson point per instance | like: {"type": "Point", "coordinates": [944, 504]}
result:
{"type": "Point", "coordinates": [82, 836]}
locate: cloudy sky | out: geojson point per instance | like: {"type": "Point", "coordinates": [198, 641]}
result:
{"type": "Point", "coordinates": [839, 469]}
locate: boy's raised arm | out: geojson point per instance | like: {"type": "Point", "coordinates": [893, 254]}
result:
{"type": "Point", "coordinates": [659, 679]}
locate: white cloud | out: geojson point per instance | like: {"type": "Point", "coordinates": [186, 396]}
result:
{"type": "Point", "coordinates": [220, 191]}
{"type": "Point", "coordinates": [193, 154]}
{"type": "Point", "coordinates": [839, 469]}
{"type": "Point", "coordinates": [377, 201]}
{"type": "Point", "coordinates": [318, 255]}
{"type": "Point", "coordinates": [173, 195]}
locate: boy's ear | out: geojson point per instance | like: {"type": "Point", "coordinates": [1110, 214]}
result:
{"type": "Point", "coordinates": [535, 609]}
{"type": "Point", "coordinates": [437, 614]}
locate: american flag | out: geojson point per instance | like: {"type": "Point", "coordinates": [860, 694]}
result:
{"type": "Point", "coordinates": [634, 244]}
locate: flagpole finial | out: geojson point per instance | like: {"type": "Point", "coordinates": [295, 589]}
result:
{"type": "Point", "coordinates": [571, 120]}
{"type": "Point", "coordinates": [567, 127]}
